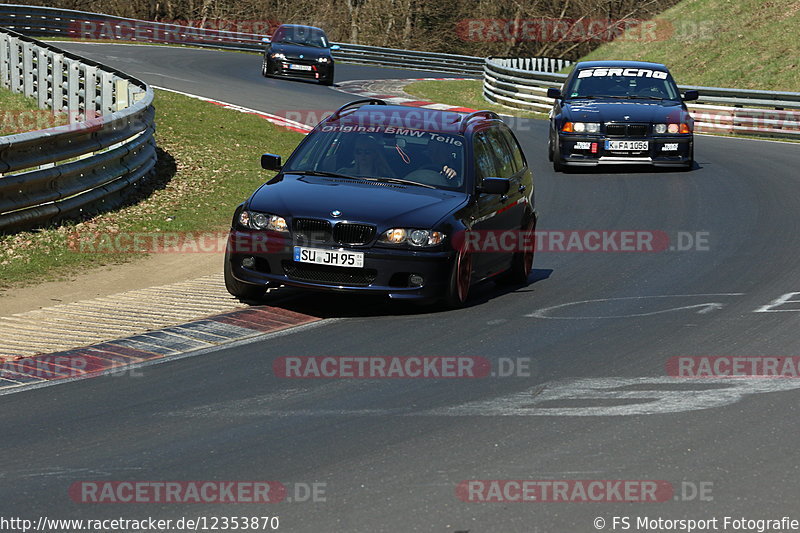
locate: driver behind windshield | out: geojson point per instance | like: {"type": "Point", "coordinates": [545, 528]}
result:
{"type": "Point", "coordinates": [368, 160]}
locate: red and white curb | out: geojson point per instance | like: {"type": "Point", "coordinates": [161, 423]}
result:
{"type": "Point", "coordinates": [278, 120]}
{"type": "Point", "coordinates": [166, 343]}
{"type": "Point", "coordinates": [391, 91]}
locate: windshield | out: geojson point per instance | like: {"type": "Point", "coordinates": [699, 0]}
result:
{"type": "Point", "coordinates": [425, 158]}
{"type": "Point", "coordinates": [302, 36]}
{"type": "Point", "coordinates": [633, 83]}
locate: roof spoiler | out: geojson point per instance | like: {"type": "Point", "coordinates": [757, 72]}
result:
{"type": "Point", "coordinates": [475, 114]}
{"type": "Point", "coordinates": [367, 101]}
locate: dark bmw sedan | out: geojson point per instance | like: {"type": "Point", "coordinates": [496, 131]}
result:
{"type": "Point", "coordinates": [377, 199]}
{"type": "Point", "coordinates": [620, 112]}
{"type": "Point", "coordinates": [296, 51]}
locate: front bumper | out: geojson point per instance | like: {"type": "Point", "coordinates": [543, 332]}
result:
{"type": "Point", "coordinates": [575, 152]}
{"type": "Point", "coordinates": [386, 271]}
{"type": "Point", "coordinates": [318, 71]}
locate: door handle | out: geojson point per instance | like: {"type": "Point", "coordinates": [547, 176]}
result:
{"type": "Point", "coordinates": [504, 198]}
{"type": "Point", "coordinates": [522, 188]}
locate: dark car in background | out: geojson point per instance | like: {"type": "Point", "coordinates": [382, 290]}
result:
{"type": "Point", "coordinates": [376, 200]}
{"type": "Point", "coordinates": [296, 51]}
{"type": "Point", "coordinates": [620, 112]}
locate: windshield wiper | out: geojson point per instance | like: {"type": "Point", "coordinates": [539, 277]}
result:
{"type": "Point", "coordinates": [401, 182]}
{"type": "Point", "coordinates": [323, 173]}
{"type": "Point", "coordinates": [642, 97]}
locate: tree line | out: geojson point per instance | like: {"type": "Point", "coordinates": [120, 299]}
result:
{"type": "Point", "coordinates": [532, 28]}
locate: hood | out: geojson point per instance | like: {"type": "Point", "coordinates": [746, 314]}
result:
{"type": "Point", "coordinates": [383, 204]}
{"type": "Point", "coordinates": [295, 51]}
{"type": "Point", "coordinates": [615, 110]}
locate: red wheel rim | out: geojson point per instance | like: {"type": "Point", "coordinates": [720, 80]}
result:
{"type": "Point", "coordinates": [527, 256]}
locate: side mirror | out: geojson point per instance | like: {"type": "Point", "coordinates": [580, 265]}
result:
{"type": "Point", "coordinates": [554, 93]}
{"type": "Point", "coordinates": [494, 186]}
{"type": "Point", "coordinates": [266, 40]}
{"type": "Point", "coordinates": [688, 96]}
{"type": "Point", "coordinates": [335, 47]}
{"type": "Point", "coordinates": [271, 162]}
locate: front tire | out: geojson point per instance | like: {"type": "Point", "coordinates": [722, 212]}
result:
{"type": "Point", "coordinates": [558, 163]}
{"type": "Point", "coordinates": [689, 165]}
{"type": "Point", "coordinates": [460, 281]}
{"type": "Point", "coordinates": [265, 68]}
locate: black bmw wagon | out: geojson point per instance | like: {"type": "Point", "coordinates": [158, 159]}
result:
{"type": "Point", "coordinates": [377, 199]}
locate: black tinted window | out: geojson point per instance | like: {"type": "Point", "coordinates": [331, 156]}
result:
{"type": "Point", "coordinates": [485, 164]}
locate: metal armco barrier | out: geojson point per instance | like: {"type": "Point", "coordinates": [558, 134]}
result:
{"type": "Point", "coordinates": [719, 110]}
{"type": "Point", "coordinates": [86, 165]}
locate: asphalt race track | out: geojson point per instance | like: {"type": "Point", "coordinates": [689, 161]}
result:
{"type": "Point", "coordinates": [598, 329]}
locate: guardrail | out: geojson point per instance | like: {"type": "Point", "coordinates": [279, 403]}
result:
{"type": "Point", "coordinates": [719, 110]}
{"type": "Point", "coordinates": [89, 163]}
{"type": "Point", "coordinates": [54, 22]}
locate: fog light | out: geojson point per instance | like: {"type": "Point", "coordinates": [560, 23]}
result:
{"type": "Point", "coordinates": [249, 262]}
{"type": "Point", "coordinates": [415, 280]}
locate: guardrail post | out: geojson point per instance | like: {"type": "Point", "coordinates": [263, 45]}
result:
{"type": "Point", "coordinates": [27, 70]}
{"type": "Point", "coordinates": [14, 62]}
{"type": "Point", "coordinates": [57, 74]}
{"type": "Point", "coordinates": [121, 92]}
{"type": "Point", "coordinates": [89, 91]}
{"type": "Point", "coordinates": [106, 93]}
{"type": "Point", "coordinates": [43, 83]}
{"type": "Point", "coordinates": [4, 74]}
{"type": "Point", "coordinates": [73, 86]}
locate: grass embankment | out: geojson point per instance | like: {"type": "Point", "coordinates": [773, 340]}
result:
{"type": "Point", "coordinates": [463, 93]}
{"type": "Point", "coordinates": [744, 44]}
{"type": "Point", "coordinates": [208, 164]}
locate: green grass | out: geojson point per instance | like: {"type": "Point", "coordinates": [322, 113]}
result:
{"type": "Point", "coordinates": [208, 164]}
{"type": "Point", "coordinates": [745, 44]}
{"type": "Point", "coordinates": [464, 93]}
{"type": "Point", "coordinates": [19, 114]}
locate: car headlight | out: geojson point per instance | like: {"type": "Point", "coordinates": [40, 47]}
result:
{"type": "Point", "coordinates": [413, 237]}
{"type": "Point", "coordinates": [263, 221]}
{"type": "Point", "coordinates": [323, 59]}
{"type": "Point", "coordinates": [279, 56]}
{"type": "Point", "coordinates": [586, 127]}
{"type": "Point", "coordinates": [671, 128]}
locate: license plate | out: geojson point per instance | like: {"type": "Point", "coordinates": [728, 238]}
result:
{"type": "Point", "coordinates": [633, 146]}
{"type": "Point", "coordinates": [328, 257]}
{"type": "Point", "coordinates": [299, 67]}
